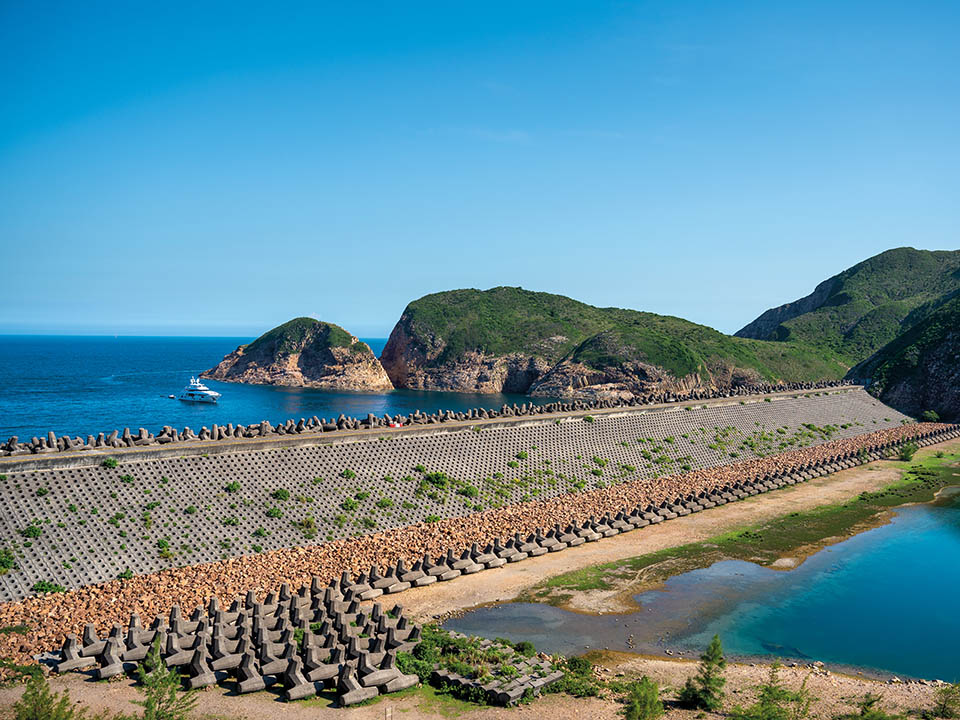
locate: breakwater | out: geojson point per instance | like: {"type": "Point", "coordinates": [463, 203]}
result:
{"type": "Point", "coordinates": [142, 437]}
{"type": "Point", "coordinates": [90, 520]}
{"type": "Point", "coordinates": [396, 558]}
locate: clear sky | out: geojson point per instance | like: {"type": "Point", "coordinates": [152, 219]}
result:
{"type": "Point", "coordinates": [218, 168]}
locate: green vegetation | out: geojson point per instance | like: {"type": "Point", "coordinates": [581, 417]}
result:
{"type": "Point", "coordinates": [109, 462]}
{"type": "Point", "coordinates": [946, 702]}
{"type": "Point", "coordinates": [508, 320]}
{"type": "Point", "coordinates": [643, 700]}
{"type": "Point", "coordinates": [348, 474]}
{"type": "Point", "coordinates": [905, 362]}
{"type": "Point", "coordinates": [160, 686]}
{"type": "Point", "coordinates": [280, 494]}
{"type": "Point", "coordinates": [776, 702]}
{"type": "Point", "coordinates": [868, 708]}
{"type": "Point", "coordinates": [764, 543]}
{"type": "Point", "coordinates": [274, 512]}
{"type": "Point", "coordinates": [302, 335]}
{"type": "Point", "coordinates": [858, 311]}
{"type": "Point", "coordinates": [704, 691]}
{"type": "Point", "coordinates": [349, 505]}
{"type": "Point", "coordinates": [232, 487]}
{"type": "Point", "coordinates": [45, 586]}
{"type": "Point", "coordinates": [8, 561]}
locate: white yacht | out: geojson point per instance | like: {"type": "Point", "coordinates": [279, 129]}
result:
{"type": "Point", "coordinates": [196, 391]}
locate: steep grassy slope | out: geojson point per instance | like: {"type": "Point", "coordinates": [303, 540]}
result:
{"type": "Point", "coordinates": [920, 369]}
{"type": "Point", "coordinates": [510, 339]}
{"type": "Point", "coordinates": [855, 313]}
{"type": "Point", "coordinates": [304, 352]}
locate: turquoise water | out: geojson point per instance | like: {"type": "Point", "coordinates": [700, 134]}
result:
{"type": "Point", "coordinates": [886, 599]}
{"type": "Point", "coordinates": [82, 385]}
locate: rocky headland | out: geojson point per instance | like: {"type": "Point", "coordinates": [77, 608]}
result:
{"type": "Point", "coordinates": [304, 353]}
{"type": "Point", "coordinates": [514, 340]}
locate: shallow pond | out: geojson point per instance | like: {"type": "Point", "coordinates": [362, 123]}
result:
{"type": "Point", "coordinates": [886, 599]}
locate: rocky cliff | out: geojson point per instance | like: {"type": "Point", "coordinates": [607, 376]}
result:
{"type": "Point", "coordinates": [513, 340]}
{"type": "Point", "coordinates": [305, 353]}
{"type": "Point", "coordinates": [919, 371]}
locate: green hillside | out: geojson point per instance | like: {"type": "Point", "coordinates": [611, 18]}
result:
{"type": "Point", "coordinates": [855, 313]}
{"type": "Point", "coordinates": [293, 336]}
{"type": "Point", "coordinates": [506, 320]}
{"type": "Point", "coordinates": [920, 369]}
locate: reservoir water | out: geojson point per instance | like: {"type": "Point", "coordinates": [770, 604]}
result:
{"type": "Point", "coordinates": [885, 599]}
{"type": "Point", "coordinates": [83, 385]}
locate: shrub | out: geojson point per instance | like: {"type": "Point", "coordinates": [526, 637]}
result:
{"type": "Point", "coordinates": [420, 468]}
{"type": "Point", "coordinates": [109, 462]}
{"type": "Point", "coordinates": [230, 521]}
{"type": "Point", "coordinates": [125, 575]}
{"type": "Point", "coordinates": [232, 487]}
{"type": "Point", "coordinates": [868, 708]}
{"type": "Point", "coordinates": [307, 526]}
{"type": "Point", "coordinates": [160, 686]}
{"type": "Point", "coordinates": [190, 510]}
{"type": "Point", "coordinates": [432, 518]}
{"type": "Point", "coordinates": [45, 586]}
{"type": "Point", "coordinates": [348, 474]}
{"type": "Point", "coordinates": [128, 479]}
{"type": "Point", "coordinates": [469, 491]}
{"type": "Point", "coordinates": [349, 505]}
{"type": "Point", "coordinates": [946, 702]}
{"type": "Point", "coordinates": [907, 451]}
{"type": "Point", "coordinates": [260, 532]}
{"type": "Point", "coordinates": [361, 495]}
{"type": "Point", "coordinates": [274, 512]}
{"type": "Point", "coordinates": [42, 491]}
{"type": "Point", "coordinates": [280, 494]}
{"type": "Point", "coordinates": [930, 416]}
{"type": "Point", "coordinates": [513, 464]}
{"type": "Point", "coordinates": [704, 691]}
{"type": "Point", "coordinates": [522, 455]}
{"type": "Point", "coordinates": [369, 522]}
{"type": "Point", "coordinates": [776, 702]}
{"type": "Point", "coordinates": [643, 700]}
{"type": "Point", "coordinates": [384, 503]}
{"type": "Point", "coordinates": [39, 703]}
{"type": "Point", "coordinates": [525, 648]}
{"type": "Point", "coordinates": [8, 561]}
{"type": "Point", "coordinates": [32, 531]}
{"type": "Point", "coordinates": [588, 418]}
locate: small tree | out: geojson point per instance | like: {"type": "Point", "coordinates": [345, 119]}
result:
{"type": "Point", "coordinates": [776, 702]}
{"type": "Point", "coordinates": [643, 702]}
{"type": "Point", "coordinates": [160, 687]}
{"type": "Point", "coordinates": [704, 690]}
{"type": "Point", "coordinates": [38, 702]}
{"type": "Point", "coordinates": [930, 416]}
{"type": "Point", "coordinates": [946, 701]}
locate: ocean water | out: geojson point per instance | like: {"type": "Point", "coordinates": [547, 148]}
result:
{"type": "Point", "coordinates": [84, 385]}
{"type": "Point", "coordinates": [885, 599]}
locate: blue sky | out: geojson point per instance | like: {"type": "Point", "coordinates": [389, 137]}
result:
{"type": "Point", "coordinates": [218, 168]}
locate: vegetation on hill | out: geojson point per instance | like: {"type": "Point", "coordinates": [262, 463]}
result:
{"type": "Point", "coordinates": [855, 313]}
{"type": "Point", "coordinates": [442, 329]}
{"type": "Point", "coordinates": [919, 370]}
{"type": "Point", "coordinates": [293, 336]}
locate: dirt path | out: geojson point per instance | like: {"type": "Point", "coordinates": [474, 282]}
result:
{"type": "Point", "coordinates": [508, 582]}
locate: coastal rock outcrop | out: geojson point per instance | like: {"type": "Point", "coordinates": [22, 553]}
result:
{"type": "Point", "coordinates": [513, 340]}
{"type": "Point", "coordinates": [305, 353]}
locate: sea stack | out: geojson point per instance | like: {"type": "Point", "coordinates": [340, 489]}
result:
{"type": "Point", "coordinates": [304, 352]}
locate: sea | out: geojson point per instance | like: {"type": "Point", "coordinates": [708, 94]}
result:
{"type": "Point", "coordinates": [84, 385]}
